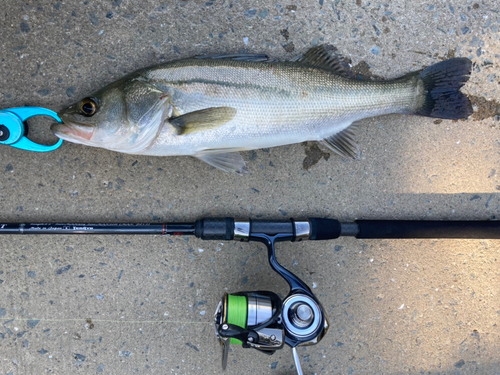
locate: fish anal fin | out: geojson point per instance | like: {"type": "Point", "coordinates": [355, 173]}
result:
{"type": "Point", "coordinates": [343, 143]}
{"type": "Point", "coordinates": [202, 120]}
{"type": "Point", "coordinates": [320, 57]}
{"type": "Point", "coordinates": [230, 161]}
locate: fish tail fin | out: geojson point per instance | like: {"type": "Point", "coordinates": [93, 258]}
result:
{"type": "Point", "coordinates": [442, 83]}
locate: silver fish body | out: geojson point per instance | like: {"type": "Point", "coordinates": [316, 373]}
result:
{"type": "Point", "coordinates": [212, 108]}
{"type": "Point", "coordinates": [276, 104]}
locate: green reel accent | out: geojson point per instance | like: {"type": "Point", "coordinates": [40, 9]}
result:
{"type": "Point", "coordinates": [237, 309]}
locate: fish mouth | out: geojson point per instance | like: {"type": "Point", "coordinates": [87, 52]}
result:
{"type": "Point", "coordinates": [73, 131]}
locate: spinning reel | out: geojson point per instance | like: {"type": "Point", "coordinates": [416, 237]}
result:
{"type": "Point", "coordinates": [261, 320]}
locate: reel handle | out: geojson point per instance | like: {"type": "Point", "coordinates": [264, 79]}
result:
{"type": "Point", "coordinates": [296, 360]}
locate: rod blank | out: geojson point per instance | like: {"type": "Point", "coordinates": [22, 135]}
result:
{"type": "Point", "coordinates": [71, 228]}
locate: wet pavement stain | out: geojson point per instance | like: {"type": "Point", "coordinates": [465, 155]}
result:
{"type": "Point", "coordinates": [485, 108]}
{"type": "Point", "coordinates": [313, 155]}
{"type": "Point", "coordinates": [289, 47]}
{"type": "Point", "coordinates": [362, 71]}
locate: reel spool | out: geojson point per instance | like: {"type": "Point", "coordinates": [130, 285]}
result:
{"type": "Point", "coordinates": [250, 319]}
{"type": "Point", "coordinates": [261, 320]}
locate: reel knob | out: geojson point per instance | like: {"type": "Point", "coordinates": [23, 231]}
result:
{"type": "Point", "coordinates": [303, 315]}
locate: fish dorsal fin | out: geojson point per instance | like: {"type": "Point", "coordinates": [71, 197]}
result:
{"type": "Point", "coordinates": [204, 119]}
{"type": "Point", "coordinates": [343, 143]}
{"type": "Point", "coordinates": [318, 56]}
{"type": "Point", "coordinates": [228, 160]}
{"type": "Point", "coordinates": [238, 57]}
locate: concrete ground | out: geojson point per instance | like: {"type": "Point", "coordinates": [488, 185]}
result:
{"type": "Point", "coordinates": [132, 304]}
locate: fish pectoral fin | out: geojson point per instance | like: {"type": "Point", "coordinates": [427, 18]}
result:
{"type": "Point", "coordinates": [343, 143]}
{"type": "Point", "coordinates": [321, 58]}
{"type": "Point", "coordinates": [204, 119]}
{"type": "Point", "coordinates": [226, 161]}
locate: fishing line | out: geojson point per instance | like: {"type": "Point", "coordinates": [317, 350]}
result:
{"type": "Point", "coordinates": [237, 313]}
{"type": "Point", "coordinates": [107, 321]}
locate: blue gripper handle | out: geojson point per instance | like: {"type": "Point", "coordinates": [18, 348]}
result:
{"type": "Point", "coordinates": [12, 128]}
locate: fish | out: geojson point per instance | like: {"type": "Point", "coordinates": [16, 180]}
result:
{"type": "Point", "coordinates": [213, 107]}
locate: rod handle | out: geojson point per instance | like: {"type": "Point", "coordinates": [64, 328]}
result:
{"type": "Point", "coordinates": [428, 229]}
{"type": "Point", "coordinates": [214, 228]}
{"type": "Point", "coordinates": [324, 229]}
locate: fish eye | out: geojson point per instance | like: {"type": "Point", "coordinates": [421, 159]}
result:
{"type": "Point", "coordinates": [88, 106]}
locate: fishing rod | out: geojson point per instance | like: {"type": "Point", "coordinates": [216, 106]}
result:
{"type": "Point", "coordinates": [261, 319]}
{"type": "Point", "coordinates": [310, 229]}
